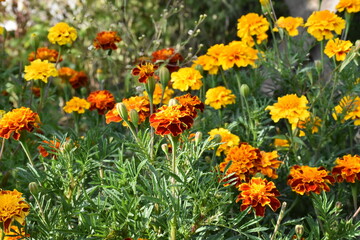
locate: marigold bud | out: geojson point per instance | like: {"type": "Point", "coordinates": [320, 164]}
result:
{"type": "Point", "coordinates": [217, 138]}
{"type": "Point", "coordinates": [173, 102]}
{"type": "Point", "coordinates": [123, 112]}
{"type": "Point", "coordinates": [198, 137]}
{"type": "Point", "coordinates": [34, 188]}
{"type": "Point", "coordinates": [299, 229]}
{"type": "Point", "coordinates": [134, 117]}
{"type": "Point", "coordinates": [164, 76]}
{"type": "Point", "coordinates": [165, 148]}
{"type": "Point", "coordinates": [244, 90]}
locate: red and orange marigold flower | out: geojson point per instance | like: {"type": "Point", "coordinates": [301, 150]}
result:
{"type": "Point", "coordinates": [106, 40]}
{"type": "Point", "coordinates": [171, 120]}
{"type": "Point", "coordinates": [258, 193]}
{"type": "Point", "coordinates": [167, 55]}
{"type": "Point", "coordinates": [12, 208]}
{"type": "Point", "coordinates": [14, 234]}
{"type": "Point", "coordinates": [268, 164]}
{"type": "Point", "coordinates": [17, 120]}
{"type": "Point", "coordinates": [144, 71]}
{"type": "Point", "coordinates": [101, 100]}
{"type": "Point", "coordinates": [305, 179]}
{"type": "Point", "coordinates": [54, 145]}
{"type": "Point", "coordinates": [347, 168]}
{"type": "Point", "coordinates": [78, 79]}
{"type": "Point", "coordinates": [193, 103]}
{"type": "Point", "coordinates": [45, 53]}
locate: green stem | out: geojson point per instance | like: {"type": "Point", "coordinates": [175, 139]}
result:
{"type": "Point", "coordinates": [354, 192]}
{"type": "Point", "coordinates": [348, 17]}
{"type": "Point", "coordinates": [24, 146]}
{"type": "Point", "coordinates": [2, 147]}
{"type": "Point", "coordinates": [173, 222]}
{"type": "Point", "coordinates": [322, 53]}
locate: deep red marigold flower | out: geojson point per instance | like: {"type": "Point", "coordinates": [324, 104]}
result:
{"type": "Point", "coordinates": [45, 53]}
{"type": "Point", "coordinates": [139, 103]}
{"type": "Point", "coordinates": [145, 71]}
{"type": "Point", "coordinates": [168, 55]}
{"type": "Point", "coordinates": [192, 102]}
{"type": "Point", "coordinates": [79, 79]}
{"type": "Point", "coordinates": [101, 100]}
{"type": "Point", "coordinates": [347, 168]}
{"type": "Point", "coordinates": [13, 122]}
{"type": "Point", "coordinates": [258, 193]}
{"type": "Point", "coordinates": [243, 160]}
{"type": "Point", "coordinates": [36, 91]}
{"type": "Point", "coordinates": [106, 40]}
{"type": "Point", "coordinates": [171, 120]}
{"type": "Point", "coordinates": [305, 179]}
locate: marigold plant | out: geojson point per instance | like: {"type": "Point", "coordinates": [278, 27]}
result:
{"type": "Point", "coordinates": [12, 208]}
{"type": "Point", "coordinates": [62, 34]}
{"type": "Point", "coordinates": [101, 100]}
{"type": "Point", "coordinates": [290, 24]}
{"type": "Point", "coordinates": [228, 140]}
{"type": "Point", "coordinates": [252, 25]}
{"type": "Point", "coordinates": [321, 24]}
{"type": "Point", "coordinates": [239, 54]}
{"type": "Point", "coordinates": [219, 97]}
{"type": "Point", "coordinates": [186, 78]}
{"type": "Point", "coordinates": [351, 6]}
{"type": "Point", "coordinates": [45, 53]}
{"type": "Point", "coordinates": [17, 120]}
{"type": "Point", "coordinates": [106, 40]}
{"type": "Point", "coordinates": [258, 193]}
{"type": "Point", "coordinates": [76, 104]}
{"type": "Point", "coordinates": [347, 168]}
{"type": "Point", "coordinates": [40, 70]}
{"type": "Point", "coordinates": [305, 179]}
{"type": "Point", "coordinates": [338, 48]}
{"type": "Point", "coordinates": [349, 109]}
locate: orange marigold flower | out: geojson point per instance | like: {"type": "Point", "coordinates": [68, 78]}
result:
{"type": "Point", "coordinates": [281, 142]}
{"type": "Point", "coordinates": [252, 25]}
{"type": "Point", "coordinates": [314, 123]}
{"type": "Point", "coordinates": [305, 179]}
{"type": "Point", "coordinates": [349, 109]}
{"type": "Point", "coordinates": [347, 168]}
{"type": "Point", "coordinates": [44, 53]}
{"type": "Point", "coordinates": [243, 160]}
{"type": "Point", "coordinates": [258, 193]}
{"type": "Point", "coordinates": [290, 24]}
{"type": "Point", "coordinates": [351, 6]}
{"type": "Point", "coordinates": [14, 234]}
{"type": "Point", "coordinates": [193, 103]}
{"type": "Point", "coordinates": [76, 105]}
{"type": "Point", "coordinates": [101, 100]}
{"type": "Point", "coordinates": [12, 208]}
{"type": "Point", "coordinates": [219, 97]}
{"type": "Point", "coordinates": [158, 92]}
{"type": "Point", "coordinates": [65, 73]}
{"type": "Point", "coordinates": [228, 140]}
{"type": "Point", "coordinates": [54, 145]}
{"type": "Point", "coordinates": [145, 71]}
{"type": "Point", "coordinates": [186, 78]}
{"type": "Point", "coordinates": [139, 103]}
{"type": "Point", "coordinates": [106, 40]}
{"type": "Point", "coordinates": [40, 70]}
{"type": "Point", "coordinates": [168, 55]}
{"type": "Point", "coordinates": [171, 120]}
{"type": "Point", "coordinates": [239, 54]}
{"type": "Point", "coordinates": [269, 164]}
{"type": "Point", "coordinates": [290, 107]}
{"type": "Point", "coordinates": [338, 48]}
{"type": "Point", "coordinates": [78, 79]}
{"type": "Point", "coordinates": [62, 34]}
{"type": "Point", "coordinates": [17, 120]}
{"type": "Point", "coordinates": [321, 24]}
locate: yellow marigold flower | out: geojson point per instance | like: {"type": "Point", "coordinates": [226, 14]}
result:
{"type": "Point", "coordinates": [269, 164]}
{"type": "Point", "coordinates": [17, 120]}
{"type": "Point", "coordinates": [290, 107]}
{"type": "Point", "coordinates": [171, 120]}
{"type": "Point", "coordinates": [351, 6]}
{"type": "Point", "coordinates": [228, 140]}
{"type": "Point", "coordinates": [76, 105]}
{"type": "Point", "coordinates": [243, 160]}
{"type": "Point", "coordinates": [12, 208]}
{"type": "Point", "coordinates": [14, 234]}
{"type": "Point", "coordinates": [45, 53]}
{"type": "Point", "coordinates": [321, 24]}
{"type": "Point", "coordinates": [208, 63]}
{"type": "Point", "coordinates": [40, 70]}
{"type": "Point", "coordinates": [305, 179]}
{"type": "Point", "coordinates": [62, 34]}
{"type": "Point", "coordinates": [313, 123]}
{"type": "Point", "coordinates": [2, 30]}
{"type": "Point", "coordinates": [239, 54]}
{"type": "Point", "coordinates": [186, 78]}
{"type": "Point", "coordinates": [349, 107]}
{"type": "Point", "coordinates": [252, 25]}
{"type": "Point", "coordinates": [258, 193]}
{"type": "Point", "coordinates": [219, 97]}
{"type": "Point", "coordinates": [168, 93]}
{"type": "Point", "coordinates": [290, 24]}
{"type": "Point", "coordinates": [347, 168]}
{"type": "Point", "coordinates": [281, 142]}
{"type": "Point", "coordinates": [338, 48]}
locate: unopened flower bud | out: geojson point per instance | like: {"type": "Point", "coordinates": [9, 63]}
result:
{"type": "Point", "coordinates": [34, 188]}
{"type": "Point", "coordinates": [134, 117]}
{"type": "Point", "coordinates": [173, 102]}
{"type": "Point", "coordinates": [338, 205]}
{"type": "Point", "coordinates": [198, 137]}
{"type": "Point", "coordinates": [165, 148]}
{"type": "Point", "coordinates": [217, 138]}
{"type": "Point", "coordinates": [123, 112]}
{"type": "Point", "coordinates": [208, 159]}
{"type": "Point", "coordinates": [164, 76]}
{"type": "Point", "coordinates": [200, 69]}
{"type": "Point", "coordinates": [318, 66]}
{"type": "Point", "coordinates": [299, 230]}
{"type": "Point", "coordinates": [244, 90]}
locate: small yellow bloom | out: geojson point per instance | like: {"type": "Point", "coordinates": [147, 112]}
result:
{"type": "Point", "coordinates": [219, 97]}
{"type": "Point", "coordinates": [40, 70]}
{"type": "Point", "coordinates": [186, 78]}
{"type": "Point", "coordinates": [76, 105]}
{"type": "Point", "coordinates": [239, 54]}
{"type": "Point", "coordinates": [2, 30]}
{"type": "Point", "coordinates": [278, 142]}
{"type": "Point", "coordinates": [338, 48]}
{"type": "Point", "coordinates": [349, 108]}
{"type": "Point", "coordinates": [252, 25]}
{"type": "Point", "coordinates": [351, 6]}
{"type": "Point", "coordinates": [228, 140]}
{"type": "Point", "coordinates": [208, 63]}
{"type": "Point", "coordinates": [290, 24]}
{"type": "Point", "coordinates": [62, 34]}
